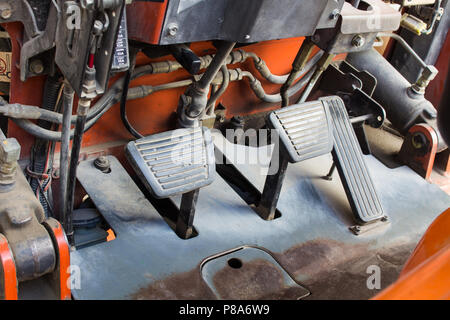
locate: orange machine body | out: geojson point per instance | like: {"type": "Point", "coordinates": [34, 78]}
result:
{"type": "Point", "coordinates": [426, 275]}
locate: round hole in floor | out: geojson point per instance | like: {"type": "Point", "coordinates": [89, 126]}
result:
{"type": "Point", "coordinates": [235, 263]}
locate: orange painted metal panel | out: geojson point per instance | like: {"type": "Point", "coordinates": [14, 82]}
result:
{"type": "Point", "coordinates": [426, 275]}
{"type": "Point", "coordinates": [9, 270]}
{"type": "Point", "coordinates": [151, 18]}
{"type": "Point", "coordinates": [63, 261]}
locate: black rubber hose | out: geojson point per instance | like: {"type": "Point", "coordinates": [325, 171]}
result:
{"type": "Point", "coordinates": [83, 106]}
{"type": "Point", "coordinates": [123, 101]}
{"type": "Point", "coordinates": [68, 96]}
{"type": "Point", "coordinates": [444, 113]}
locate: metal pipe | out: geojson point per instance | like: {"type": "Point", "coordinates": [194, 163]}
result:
{"type": "Point", "coordinates": [193, 103]}
{"type": "Point", "coordinates": [405, 45]}
{"type": "Point", "coordinates": [123, 100]}
{"type": "Point", "coordinates": [322, 65]}
{"type": "Point", "coordinates": [83, 107]}
{"type": "Point", "coordinates": [297, 66]}
{"type": "Point", "coordinates": [68, 96]}
{"type": "Point", "coordinates": [219, 59]}
{"type": "Point", "coordinates": [217, 94]}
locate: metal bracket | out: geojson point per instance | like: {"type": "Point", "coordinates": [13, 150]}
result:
{"type": "Point", "coordinates": [19, 10]}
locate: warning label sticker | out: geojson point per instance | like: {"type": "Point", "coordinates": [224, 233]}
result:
{"type": "Point", "coordinates": [5, 66]}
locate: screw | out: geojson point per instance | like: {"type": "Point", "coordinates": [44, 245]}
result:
{"type": "Point", "coordinates": [335, 14]}
{"type": "Point", "coordinates": [172, 29]}
{"type": "Point", "coordinates": [102, 163]}
{"type": "Point", "coordinates": [37, 67]}
{"type": "Point", "coordinates": [358, 41]}
{"type": "Point", "coordinates": [6, 11]}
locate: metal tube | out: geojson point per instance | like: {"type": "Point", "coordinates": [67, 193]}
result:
{"type": "Point", "coordinates": [219, 59]}
{"type": "Point", "coordinates": [322, 65]}
{"type": "Point", "coordinates": [405, 45]}
{"type": "Point", "coordinates": [68, 96]}
{"type": "Point", "coordinates": [83, 107]}
{"type": "Point", "coordinates": [299, 63]}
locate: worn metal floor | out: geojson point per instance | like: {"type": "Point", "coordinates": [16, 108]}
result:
{"type": "Point", "coordinates": [307, 251]}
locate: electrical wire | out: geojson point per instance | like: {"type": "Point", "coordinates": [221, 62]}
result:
{"type": "Point", "coordinates": [123, 101]}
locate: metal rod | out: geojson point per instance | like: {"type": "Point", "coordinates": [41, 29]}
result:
{"type": "Point", "coordinates": [323, 64]}
{"type": "Point", "coordinates": [297, 66]}
{"type": "Point", "coordinates": [68, 95]}
{"type": "Point", "coordinates": [405, 45]}
{"type": "Point", "coordinates": [330, 173]}
{"type": "Point", "coordinates": [83, 107]}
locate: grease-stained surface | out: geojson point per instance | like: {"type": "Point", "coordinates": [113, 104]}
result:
{"type": "Point", "coordinates": [310, 242]}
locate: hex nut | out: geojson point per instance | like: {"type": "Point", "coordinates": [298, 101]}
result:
{"type": "Point", "coordinates": [9, 150]}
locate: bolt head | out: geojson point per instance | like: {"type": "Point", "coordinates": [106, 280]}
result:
{"type": "Point", "coordinates": [9, 150]}
{"type": "Point", "coordinates": [334, 14]}
{"type": "Point", "coordinates": [172, 29]}
{"type": "Point", "coordinates": [6, 13]}
{"type": "Point", "coordinates": [358, 41]}
{"type": "Point", "coordinates": [37, 67]}
{"type": "Point", "coordinates": [102, 163]}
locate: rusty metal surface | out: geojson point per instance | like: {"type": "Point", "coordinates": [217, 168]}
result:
{"type": "Point", "coordinates": [250, 273]}
{"type": "Point", "coordinates": [311, 240]}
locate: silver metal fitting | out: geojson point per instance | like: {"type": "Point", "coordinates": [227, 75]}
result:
{"type": "Point", "coordinates": [5, 11]}
{"type": "Point", "coordinates": [358, 41]}
{"type": "Point", "coordinates": [428, 74]}
{"type": "Point", "coordinates": [37, 67]}
{"type": "Point", "coordinates": [172, 29]}
{"type": "Point", "coordinates": [9, 155]}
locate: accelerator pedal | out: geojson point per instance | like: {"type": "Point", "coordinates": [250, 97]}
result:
{"type": "Point", "coordinates": [313, 129]}
{"type": "Point", "coordinates": [175, 162]}
{"type": "Point", "coordinates": [304, 132]}
{"type": "Point", "coordinates": [348, 157]}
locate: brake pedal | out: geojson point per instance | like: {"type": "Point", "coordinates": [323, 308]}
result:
{"type": "Point", "coordinates": [304, 133]}
{"type": "Point", "coordinates": [175, 162]}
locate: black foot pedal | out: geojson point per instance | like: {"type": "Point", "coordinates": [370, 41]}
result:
{"type": "Point", "coordinates": [305, 132]}
{"type": "Point", "coordinates": [351, 166]}
{"type": "Point", "coordinates": [175, 162]}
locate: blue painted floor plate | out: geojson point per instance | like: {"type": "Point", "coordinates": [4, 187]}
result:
{"type": "Point", "coordinates": [311, 240]}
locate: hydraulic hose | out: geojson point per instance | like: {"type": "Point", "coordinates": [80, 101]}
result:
{"type": "Point", "coordinates": [68, 96]}
{"type": "Point", "coordinates": [123, 102]}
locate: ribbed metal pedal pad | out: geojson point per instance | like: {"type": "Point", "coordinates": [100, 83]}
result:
{"type": "Point", "coordinates": [174, 162]}
{"type": "Point", "coordinates": [304, 130]}
{"type": "Point", "coordinates": [351, 166]}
